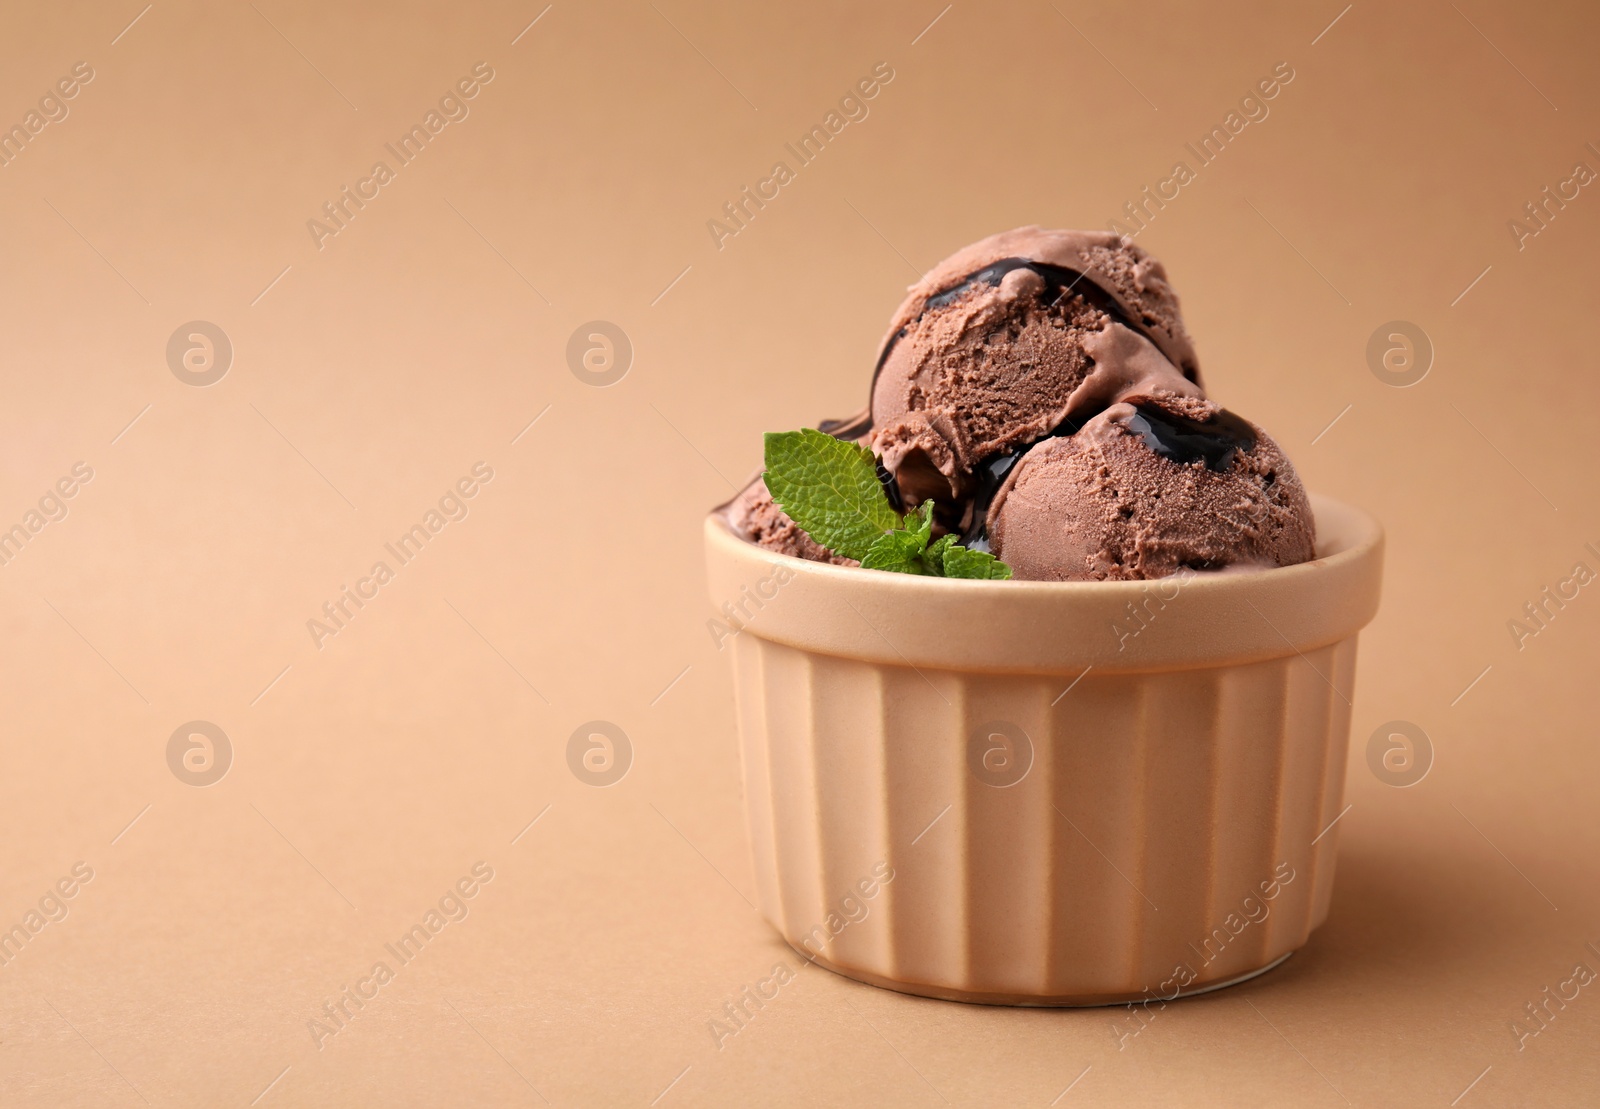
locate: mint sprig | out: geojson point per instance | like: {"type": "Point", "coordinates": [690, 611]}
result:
{"type": "Point", "coordinates": [830, 488]}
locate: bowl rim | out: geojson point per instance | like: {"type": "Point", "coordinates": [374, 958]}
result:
{"type": "Point", "coordinates": [1226, 617]}
{"type": "Point", "coordinates": [1340, 548]}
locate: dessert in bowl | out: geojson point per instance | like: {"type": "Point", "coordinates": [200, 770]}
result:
{"type": "Point", "coordinates": [1087, 745]}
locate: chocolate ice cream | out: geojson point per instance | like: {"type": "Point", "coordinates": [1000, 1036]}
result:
{"type": "Point", "coordinates": [987, 351]}
{"type": "Point", "coordinates": [754, 516]}
{"type": "Point", "coordinates": [1040, 389]}
{"type": "Point", "coordinates": [1149, 487]}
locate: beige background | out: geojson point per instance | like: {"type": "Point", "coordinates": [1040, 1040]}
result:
{"type": "Point", "coordinates": [368, 376]}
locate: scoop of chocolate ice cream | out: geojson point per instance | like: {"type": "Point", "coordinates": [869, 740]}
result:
{"type": "Point", "coordinates": [1040, 388]}
{"type": "Point", "coordinates": [754, 515]}
{"type": "Point", "coordinates": [1147, 488]}
{"type": "Point", "coordinates": [991, 346]}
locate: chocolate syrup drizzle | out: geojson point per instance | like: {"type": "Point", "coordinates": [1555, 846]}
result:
{"type": "Point", "coordinates": [1215, 440]}
{"type": "Point", "coordinates": [852, 427]}
{"type": "Point", "coordinates": [1173, 437]}
{"type": "Point", "coordinates": [891, 488]}
{"type": "Point", "coordinates": [1179, 439]}
{"type": "Point", "coordinates": [990, 474]}
{"type": "Point", "coordinates": [1059, 281]}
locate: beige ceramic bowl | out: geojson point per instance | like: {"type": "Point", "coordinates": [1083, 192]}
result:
{"type": "Point", "coordinates": [1045, 793]}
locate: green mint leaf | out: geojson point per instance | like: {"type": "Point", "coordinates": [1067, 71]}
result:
{"type": "Point", "coordinates": [963, 562]}
{"type": "Point", "coordinates": [933, 557]}
{"type": "Point", "coordinates": [899, 551]}
{"type": "Point", "coordinates": [904, 550]}
{"type": "Point", "coordinates": [919, 522]}
{"type": "Point", "coordinates": [830, 488]}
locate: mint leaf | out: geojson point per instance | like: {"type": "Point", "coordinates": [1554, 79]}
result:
{"type": "Point", "coordinates": [905, 550]}
{"type": "Point", "coordinates": [919, 522]}
{"type": "Point", "coordinates": [900, 551]}
{"type": "Point", "coordinates": [963, 562]}
{"type": "Point", "coordinates": [830, 488]}
{"type": "Point", "coordinates": [933, 557]}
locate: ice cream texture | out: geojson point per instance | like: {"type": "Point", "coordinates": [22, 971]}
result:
{"type": "Point", "coordinates": [1039, 387]}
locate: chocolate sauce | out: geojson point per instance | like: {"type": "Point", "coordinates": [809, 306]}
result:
{"type": "Point", "coordinates": [851, 427]}
{"type": "Point", "coordinates": [891, 488]}
{"type": "Point", "coordinates": [990, 474]}
{"type": "Point", "coordinates": [1182, 440]}
{"type": "Point", "coordinates": [1172, 437]}
{"type": "Point", "coordinates": [987, 476]}
{"type": "Point", "coordinates": [1176, 438]}
{"type": "Point", "coordinates": [991, 275]}
{"type": "Point", "coordinates": [1059, 281]}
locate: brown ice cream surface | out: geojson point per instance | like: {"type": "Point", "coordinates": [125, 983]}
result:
{"type": "Point", "coordinates": [1102, 504]}
{"type": "Point", "coordinates": [987, 351]}
{"type": "Point", "coordinates": [754, 515]}
{"type": "Point", "coordinates": [1000, 394]}
{"type": "Point", "coordinates": [1115, 266]}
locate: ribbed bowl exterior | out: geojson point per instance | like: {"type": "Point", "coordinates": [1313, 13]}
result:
{"type": "Point", "coordinates": [1157, 811]}
{"type": "Point", "coordinates": [1138, 832]}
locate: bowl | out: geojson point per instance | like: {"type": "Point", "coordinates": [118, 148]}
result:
{"type": "Point", "coordinates": [1045, 793]}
